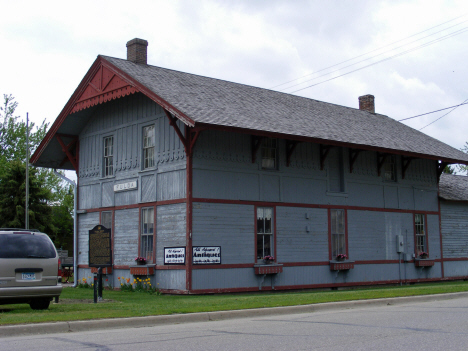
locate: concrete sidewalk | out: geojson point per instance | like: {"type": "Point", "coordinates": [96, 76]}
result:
{"type": "Point", "coordinates": [138, 322]}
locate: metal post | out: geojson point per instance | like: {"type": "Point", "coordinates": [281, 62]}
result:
{"type": "Point", "coordinates": [26, 207]}
{"type": "Point", "coordinates": [95, 288]}
{"type": "Point", "coordinates": [100, 283]}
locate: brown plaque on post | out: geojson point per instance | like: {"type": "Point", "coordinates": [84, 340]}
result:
{"type": "Point", "coordinates": [100, 251]}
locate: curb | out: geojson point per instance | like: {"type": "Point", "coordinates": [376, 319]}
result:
{"type": "Point", "coordinates": [149, 321]}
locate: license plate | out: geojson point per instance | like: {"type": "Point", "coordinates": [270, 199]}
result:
{"type": "Point", "coordinates": [28, 276]}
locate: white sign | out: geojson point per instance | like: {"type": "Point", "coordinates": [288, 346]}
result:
{"type": "Point", "coordinates": [174, 255]}
{"type": "Point", "coordinates": [206, 255]}
{"type": "Point", "coordinates": [125, 186]}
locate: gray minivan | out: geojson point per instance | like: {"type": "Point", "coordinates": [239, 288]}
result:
{"type": "Point", "coordinates": [29, 266]}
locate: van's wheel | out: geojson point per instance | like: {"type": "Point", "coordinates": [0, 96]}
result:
{"type": "Point", "coordinates": [40, 304]}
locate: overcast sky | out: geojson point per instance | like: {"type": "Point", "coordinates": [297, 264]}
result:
{"type": "Point", "coordinates": [48, 46]}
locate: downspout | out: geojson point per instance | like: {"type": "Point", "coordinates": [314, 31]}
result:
{"type": "Point", "coordinates": [75, 244]}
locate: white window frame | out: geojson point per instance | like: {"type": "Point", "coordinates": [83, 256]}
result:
{"type": "Point", "coordinates": [389, 169]}
{"type": "Point", "coordinates": [103, 222]}
{"type": "Point", "coordinates": [264, 232]}
{"type": "Point", "coordinates": [149, 142]}
{"type": "Point", "coordinates": [338, 232]}
{"type": "Point", "coordinates": [420, 233]}
{"type": "Point", "coordinates": [147, 233]}
{"type": "Point", "coordinates": [269, 151]}
{"type": "Point", "coordinates": [108, 156]}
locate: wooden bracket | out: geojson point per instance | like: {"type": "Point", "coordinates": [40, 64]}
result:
{"type": "Point", "coordinates": [290, 147]}
{"type": "Point", "coordinates": [353, 155]}
{"type": "Point", "coordinates": [405, 162]}
{"type": "Point", "coordinates": [256, 141]}
{"type": "Point", "coordinates": [381, 157]}
{"type": "Point", "coordinates": [67, 149]}
{"type": "Point", "coordinates": [173, 123]}
{"type": "Point", "coordinates": [324, 150]}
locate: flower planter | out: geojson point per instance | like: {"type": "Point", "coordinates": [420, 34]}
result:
{"type": "Point", "coordinates": [142, 270]}
{"type": "Point", "coordinates": [423, 262]}
{"type": "Point", "coordinates": [105, 270]}
{"type": "Point", "coordinates": [341, 265]}
{"type": "Point", "coordinates": [272, 268]}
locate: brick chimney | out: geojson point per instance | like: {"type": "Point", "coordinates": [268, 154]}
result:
{"type": "Point", "coordinates": [366, 103]}
{"type": "Point", "coordinates": [137, 51]}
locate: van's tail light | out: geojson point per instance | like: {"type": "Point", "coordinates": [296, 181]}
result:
{"type": "Point", "coordinates": [59, 268]}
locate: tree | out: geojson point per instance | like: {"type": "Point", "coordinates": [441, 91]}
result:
{"type": "Point", "coordinates": [54, 192]}
{"type": "Point", "coordinates": [449, 170]}
{"type": "Point", "coordinates": [463, 168]}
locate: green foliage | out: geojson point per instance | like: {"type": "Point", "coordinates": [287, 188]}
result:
{"type": "Point", "coordinates": [51, 200]}
{"type": "Point", "coordinates": [138, 285]}
{"type": "Point", "coordinates": [13, 195]}
{"type": "Point", "coordinates": [463, 168]}
{"type": "Point", "coordinates": [449, 170]}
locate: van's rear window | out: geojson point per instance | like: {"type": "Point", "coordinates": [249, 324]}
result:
{"type": "Point", "coordinates": [26, 246]}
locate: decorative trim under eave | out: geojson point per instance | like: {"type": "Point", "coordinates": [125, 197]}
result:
{"type": "Point", "coordinates": [104, 97]}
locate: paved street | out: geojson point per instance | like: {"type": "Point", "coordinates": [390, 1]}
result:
{"type": "Point", "coordinates": [436, 325]}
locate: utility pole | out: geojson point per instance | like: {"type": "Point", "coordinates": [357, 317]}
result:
{"type": "Point", "coordinates": [26, 207]}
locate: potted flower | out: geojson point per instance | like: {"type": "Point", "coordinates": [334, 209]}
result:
{"type": "Point", "coordinates": [341, 257]}
{"type": "Point", "coordinates": [423, 255]}
{"type": "Point", "coordinates": [140, 261]}
{"type": "Point", "coordinates": [268, 259]}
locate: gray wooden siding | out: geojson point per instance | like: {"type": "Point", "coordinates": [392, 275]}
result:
{"type": "Point", "coordinates": [223, 169]}
{"type": "Point", "coordinates": [126, 236]}
{"type": "Point", "coordinates": [454, 230]}
{"type": "Point", "coordinates": [86, 222]}
{"type": "Point", "coordinates": [301, 234]}
{"type": "Point", "coordinates": [171, 185]}
{"type": "Point", "coordinates": [433, 233]}
{"type": "Point", "coordinates": [170, 279]}
{"type": "Point", "coordinates": [372, 235]}
{"type": "Point", "coordinates": [170, 229]}
{"type": "Point", "coordinates": [124, 119]}
{"type": "Point", "coordinates": [230, 226]}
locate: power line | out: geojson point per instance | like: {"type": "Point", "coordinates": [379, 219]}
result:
{"type": "Point", "coordinates": [463, 103]}
{"type": "Point", "coordinates": [463, 30]}
{"type": "Point", "coordinates": [369, 58]}
{"type": "Point", "coordinates": [428, 113]}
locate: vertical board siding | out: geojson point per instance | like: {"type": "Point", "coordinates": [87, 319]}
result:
{"type": "Point", "coordinates": [296, 244]}
{"type": "Point", "coordinates": [126, 236]}
{"type": "Point", "coordinates": [86, 222]}
{"type": "Point", "coordinates": [124, 119]}
{"type": "Point", "coordinates": [170, 229]}
{"type": "Point", "coordinates": [433, 236]}
{"type": "Point", "coordinates": [230, 226]}
{"type": "Point", "coordinates": [454, 226]}
{"type": "Point", "coordinates": [170, 279]}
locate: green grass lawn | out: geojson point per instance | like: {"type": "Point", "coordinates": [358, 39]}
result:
{"type": "Point", "coordinates": [76, 304]}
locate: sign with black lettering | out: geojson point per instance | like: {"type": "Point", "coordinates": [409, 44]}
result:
{"type": "Point", "coordinates": [100, 250]}
{"type": "Point", "coordinates": [174, 255]}
{"type": "Point", "coordinates": [206, 255]}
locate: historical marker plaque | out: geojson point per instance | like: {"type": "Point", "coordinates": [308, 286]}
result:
{"type": "Point", "coordinates": [100, 250]}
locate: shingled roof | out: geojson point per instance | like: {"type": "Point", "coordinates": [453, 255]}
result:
{"type": "Point", "coordinates": [213, 103]}
{"type": "Point", "coordinates": [453, 187]}
{"type": "Point", "coordinates": [222, 103]}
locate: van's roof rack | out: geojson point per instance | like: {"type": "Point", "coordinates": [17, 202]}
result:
{"type": "Point", "coordinates": [19, 229]}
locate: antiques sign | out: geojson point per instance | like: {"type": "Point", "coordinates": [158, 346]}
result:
{"type": "Point", "coordinates": [125, 186]}
{"type": "Point", "coordinates": [100, 252]}
{"type": "Point", "coordinates": [174, 255]}
{"type": "Point", "coordinates": [206, 255]}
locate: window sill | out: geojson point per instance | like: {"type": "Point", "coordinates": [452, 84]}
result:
{"type": "Point", "coordinates": [341, 265]}
{"type": "Point", "coordinates": [148, 170]}
{"type": "Point", "coordinates": [142, 270]}
{"type": "Point", "coordinates": [332, 193]}
{"type": "Point", "coordinates": [423, 262]}
{"type": "Point", "coordinates": [268, 268]}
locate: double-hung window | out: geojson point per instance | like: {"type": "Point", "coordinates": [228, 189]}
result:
{"type": "Point", "coordinates": [108, 156]}
{"type": "Point", "coordinates": [148, 147]}
{"type": "Point", "coordinates": [264, 232]}
{"type": "Point", "coordinates": [420, 233]}
{"type": "Point", "coordinates": [389, 169]}
{"type": "Point", "coordinates": [147, 233]}
{"type": "Point", "coordinates": [338, 232]}
{"type": "Point", "coordinates": [269, 153]}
